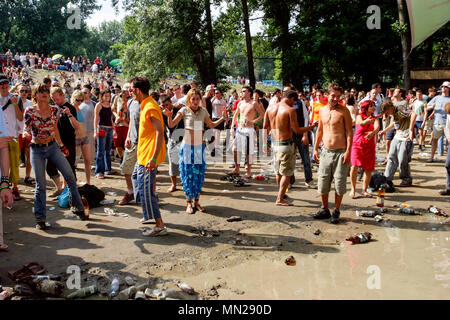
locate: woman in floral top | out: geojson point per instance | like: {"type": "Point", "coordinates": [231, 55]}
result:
{"type": "Point", "coordinates": [40, 123]}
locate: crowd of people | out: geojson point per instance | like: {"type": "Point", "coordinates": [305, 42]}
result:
{"type": "Point", "coordinates": [46, 127]}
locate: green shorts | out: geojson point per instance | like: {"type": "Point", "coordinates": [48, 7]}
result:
{"type": "Point", "coordinates": [331, 166]}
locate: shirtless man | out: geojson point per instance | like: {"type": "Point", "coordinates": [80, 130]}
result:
{"type": "Point", "coordinates": [335, 127]}
{"type": "Point", "coordinates": [281, 120]}
{"type": "Point", "coordinates": [248, 112]}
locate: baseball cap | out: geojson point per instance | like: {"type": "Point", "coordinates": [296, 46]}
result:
{"type": "Point", "coordinates": [3, 79]}
{"type": "Point", "coordinates": [446, 84]}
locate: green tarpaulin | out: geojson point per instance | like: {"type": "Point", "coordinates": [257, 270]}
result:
{"type": "Point", "coordinates": [426, 17]}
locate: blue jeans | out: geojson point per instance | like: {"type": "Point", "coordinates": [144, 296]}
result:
{"type": "Point", "coordinates": [134, 180]}
{"type": "Point", "coordinates": [104, 144]}
{"type": "Point", "coordinates": [149, 202]}
{"type": "Point", "coordinates": [39, 157]}
{"type": "Point", "coordinates": [441, 143]}
{"type": "Point", "coordinates": [304, 153]}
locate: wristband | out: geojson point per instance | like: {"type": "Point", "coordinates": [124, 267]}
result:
{"type": "Point", "coordinates": [223, 119]}
{"type": "Point", "coordinates": [5, 179]}
{"type": "Point", "coordinates": [4, 187]}
{"type": "Point", "coordinates": [154, 160]}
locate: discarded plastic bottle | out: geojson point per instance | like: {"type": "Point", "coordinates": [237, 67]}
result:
{"type": "Point", "coordinates": [83, 292]}
{"type": "Point", "coordinates": [378, 218]}
{"type": "Point", "coordinates": [186, 288]}
{"type": "Point", "coordinates": [406, 210]}
{"type": "Point", "coordinates": [365, 213]}
{"type": "Point", "coordinates": [380, 197]}
{"type": "Point", "coordinates": [115, 284]}
{"type": "Point", "coordinates": [404, 205]}
{"type": "Point", "coordinates": [128, 293]}
{"type": "Point", "coordinates": [382, 210]}
{"type": "Point", "coordinates": [360, 238]}
{"type": "Point", "coordinates": [437, 211]}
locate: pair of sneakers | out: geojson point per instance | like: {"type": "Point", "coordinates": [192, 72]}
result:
{"type": "Point", "coordinates": [324, 213]}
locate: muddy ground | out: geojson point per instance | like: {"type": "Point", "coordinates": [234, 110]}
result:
{"type": "Point", "coordinates": [407, 259]}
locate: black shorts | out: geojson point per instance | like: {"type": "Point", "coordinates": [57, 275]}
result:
{"type": "Point", "coordinates": [221, 126]}
{"type": "Point", "coordinates": [390, 134]}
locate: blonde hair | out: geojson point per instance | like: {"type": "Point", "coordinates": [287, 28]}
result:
{"type": "Point", "coordinates": [54, 90]}
{"type": "Point", "coordinates": [77, 94]}
{"type": "Point", "coordinates": [447, 108]}
{"type": "Point", "coordinates": [190, 94]}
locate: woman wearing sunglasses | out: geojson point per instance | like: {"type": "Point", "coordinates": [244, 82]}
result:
{"type": "Point", "coordinates": [41, 126]}
{"type": "Point", "coordinates": [81, 137]}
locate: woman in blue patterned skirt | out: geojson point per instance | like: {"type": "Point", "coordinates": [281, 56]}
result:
{"type": "Point", "coordinates": [192, 150]}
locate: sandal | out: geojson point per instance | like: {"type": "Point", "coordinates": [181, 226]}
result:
{"type": "Point", "coordinates": [29, 181]}
{"type": "Point", "coordinates": [199, 207]}
{"type": "Point", "coordinates": [155, 232]}
{"type": "Point", "coordinates": [3, 247]}
{"type": "Point", "coordinates": [445, 192]}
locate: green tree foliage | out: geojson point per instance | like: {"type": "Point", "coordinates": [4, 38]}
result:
{"type": "Point", "coordinates": [102, 40]}
{"type": "Point", "coordinates": [41, 25]}
{"type": "Point", "coordinates": [168, 36]}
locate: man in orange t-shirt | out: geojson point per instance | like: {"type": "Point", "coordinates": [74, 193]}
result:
{"type": "Point", "coordinates": [151, 151]}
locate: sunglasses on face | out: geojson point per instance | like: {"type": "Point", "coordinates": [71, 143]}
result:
{"type": "Point", "coordinates": [23, 91]}
{"type": "Point", "coordinates": [244, 90]}
{"type": "Point", "coordinates": [79, 100]}
{"type": "Point", "coordinates": [43, 91]}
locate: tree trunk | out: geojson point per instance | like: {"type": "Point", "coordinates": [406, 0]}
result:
{"type": "Point", "coordinates": [280, 12]}
{"type": "Point", "coordinates": [428, 53]}
{"type": "Point", "coordinates": [248, 38]}
{"type": "Point", "coordinates": [406, 44]}
{"type": "Point", "coordinates": [212, 64]}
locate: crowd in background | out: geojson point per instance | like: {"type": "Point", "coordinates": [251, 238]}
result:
{"type": "Point", "coordinates": [95, 118]}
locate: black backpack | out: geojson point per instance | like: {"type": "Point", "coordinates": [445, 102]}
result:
{"type": "Point", "coordinates": [378, 180]}
{"type": "Point", "coordinates": [92, 194]}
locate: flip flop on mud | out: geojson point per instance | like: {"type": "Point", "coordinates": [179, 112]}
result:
{"type": "Point", "coordinates": [284, 204]}
{"type": "Point", "coordinates": [367, 195]}
{"type": "Point", "coordinates": [354, 196]}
